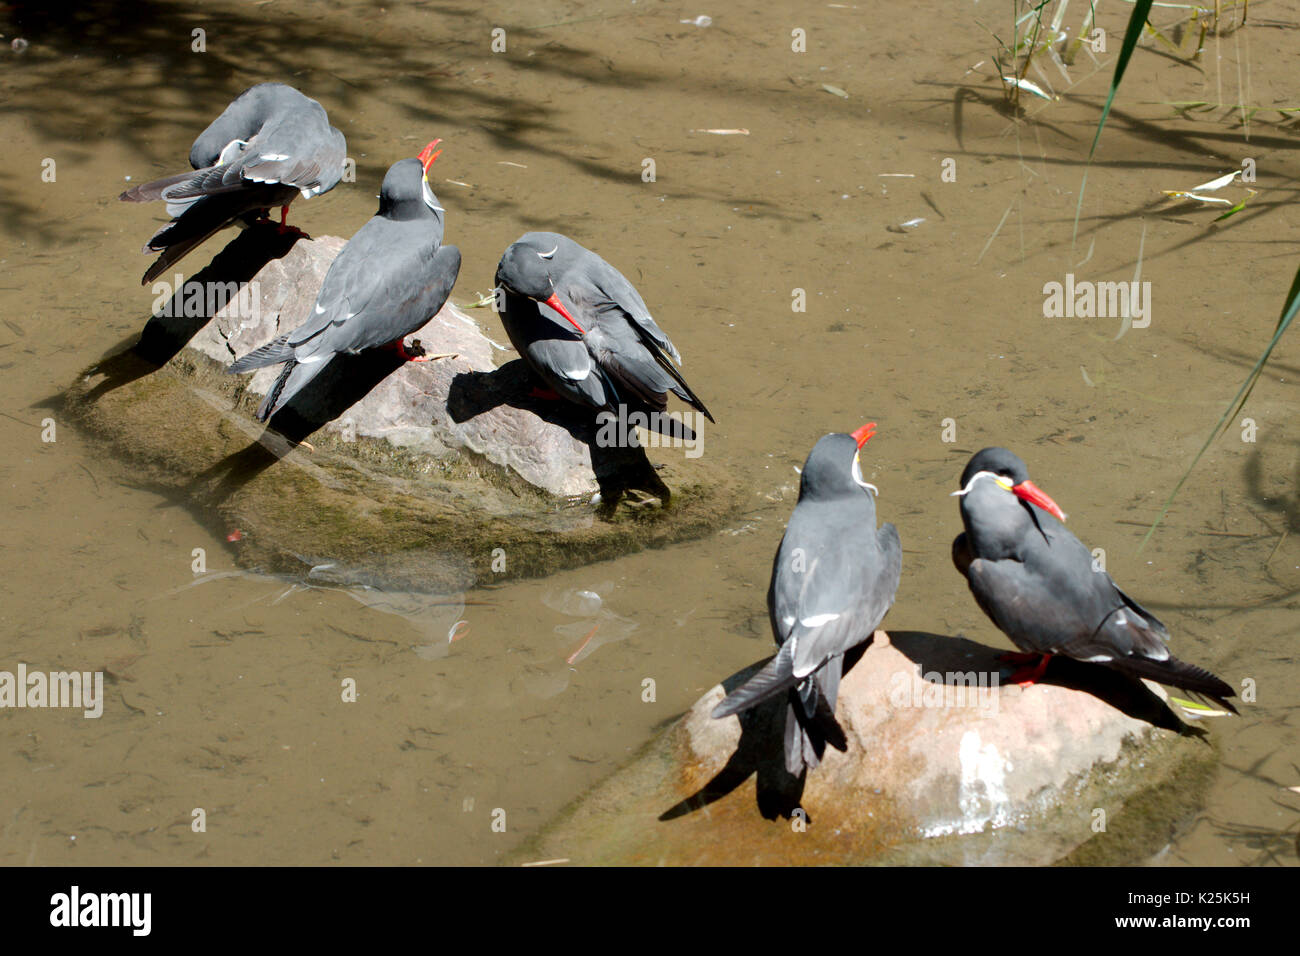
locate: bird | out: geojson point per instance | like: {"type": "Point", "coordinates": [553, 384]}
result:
{"type": "Point", "coordinates": [1043, 589]}
{"type": "Point", "coordinates": [586, 332]}
{"type": "Point", "coordinates": [270, 145]}
{"type": "Point", "coordinates": [833, 580]}
{"type": "Point", "coordinates": [389, 280]}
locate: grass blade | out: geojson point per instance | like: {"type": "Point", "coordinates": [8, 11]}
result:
{"type": "Point", "coordinates": [1289, 309]}
{"type": "Point", "coordinates": [1136, 21]}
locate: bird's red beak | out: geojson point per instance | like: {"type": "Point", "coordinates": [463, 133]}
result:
{"type": "Point", "coordinates": [863, 434]}
{"type": "Point", "coordinates": [1028, 491]}
{"type": "Point", "coordinates": [554, 303]}
{"type": "Point", "coordinates": [428, 155]}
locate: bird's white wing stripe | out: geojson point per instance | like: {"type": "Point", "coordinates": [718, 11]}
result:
{"type": "Point", "coordinates": [817, 620]}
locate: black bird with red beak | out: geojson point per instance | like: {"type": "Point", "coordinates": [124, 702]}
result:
{"type": "Point", "coordinates": [1039, 584]}
{"type": "Point", "coordinates": [833, 580]}
{"type": "Point", "coordinates": [389, 280]}
{"type": "Point", "coordinates": [584, 330]}
{"type": "Point", "coordinates": [270, 145]}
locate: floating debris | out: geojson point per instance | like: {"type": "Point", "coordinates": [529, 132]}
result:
{"type": "Point", "coordinates": [700, 21]}
{"type": "Point", "coordinates": [835, 90]}
{"type": "Point", "coordinates": [576, 602]}
{"type": "Point", "coordinates": [1196, 710]}
{"type": "Point", "coordinates": [722, 132]}
{"type": "Point", "coordinates": [906, 224]}
{"type": "Point", "coordinates": [1197, 194]}
{"type": "Point", "coordinates": [1212, 186]}
{"type": "Point", "coordinates": [1029, 86]}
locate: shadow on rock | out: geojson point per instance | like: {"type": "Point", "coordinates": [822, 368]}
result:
{"type": "Point", "coordinates": [618, 469]}
{"type": "Point", "coordinates": [953, 661]}
{"type": "Point", "coordinates": [193, 305]}
{"type": "Point", "coordinates": [761, 751]}
{"type": "Point", "coordinates": [341, 384]}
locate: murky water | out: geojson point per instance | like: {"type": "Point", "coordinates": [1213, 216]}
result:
{"type": "Point", "coordinates": [224, 690]}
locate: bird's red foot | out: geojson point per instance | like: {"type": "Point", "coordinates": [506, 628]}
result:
{"type": "Point", "coordinates": [416, 355]}
{"type": "Point", "coordinates": [284, 228]}
{"type": "Point", "coordinates": [543, 393]}
{"type": "Point", "coordinates": [1034, 666]}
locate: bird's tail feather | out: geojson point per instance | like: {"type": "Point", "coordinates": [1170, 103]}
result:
{"type": "Point", "coordinates": [806, 736]}
{"type": "Point", "coordinates": [685, 393]}
{"type": "Point", "coordinates": [175, 240]}
{"type": "Point", "coordinates": [273, 353]}
{"type": "Point", "coordinates": [148, 192]}
{"type": "Point", "coordinates": [1179, 674]}
{"type": "Point", "coordinates": [776, 677]}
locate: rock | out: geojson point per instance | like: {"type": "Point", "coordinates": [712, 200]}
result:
{"type": "Point", "coordinates": [935, 773]}
{"type": "Point", "coordinates": [417, 475]}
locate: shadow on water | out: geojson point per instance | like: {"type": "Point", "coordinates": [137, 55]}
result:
{"type": "Point", "coordinates": [1262, 489]}
{"type": "Point", "coordinates": [344, 381]}
{"type": "Point", "coordinates": [164, 92]}
{"type": "Point", "coordinates": [340, 385]}
{"type": "Point", "coordinates": [191, 307]}
{"type": "Point", "coordinates": [939, 659]}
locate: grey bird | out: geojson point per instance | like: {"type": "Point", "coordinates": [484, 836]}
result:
{"type": "Point", "coordinates": [270, 145]}
{"type": "Point", "coordinates": [585, 331]}
{"type": "Point", "coordinates": [389, 280]}
{"type": "Point", "coordinates": [833, 580]}
{"type": "Point", "coordinates": [1043, 589]}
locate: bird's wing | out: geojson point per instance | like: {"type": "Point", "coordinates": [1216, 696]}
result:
{"type": "Point", "coordinates": [289, 151]}
{"type": "Point", "coordinates": [633, 367]}
{"type": "Point", "coordinates": [1066, 609]}
{"type": "Point", "coordinates": [616, 292]}
{"type": "Point", "coordinates": [412, 290]}
{"type": "Point", "coordinates": [636, 361]}
{"type": "Point", "coordinates": [352, 283]}
{"type": "Point", "coordinates": [570, 370]}
{"type": "Point", "coordinates": [831, 594]}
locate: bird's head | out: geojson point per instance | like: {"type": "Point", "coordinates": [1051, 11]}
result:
{"type": "Point", "coordinates": [528, 269]}
{"type": "Point", "coordinates": [834, 466]}
{"type": "Point", "coordinates": [405, 193]}
{"type": "Point", "coordinates": [1005, 470]}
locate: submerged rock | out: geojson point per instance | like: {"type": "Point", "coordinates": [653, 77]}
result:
{"type": "Point", "coordinates": [431, 475]}
{"type": "Point", "coordinates": [944, 766]}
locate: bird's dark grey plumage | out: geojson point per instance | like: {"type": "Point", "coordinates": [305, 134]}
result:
{"type": "Point", "coordinates": [1040, 585]}
{"type": "Point", "coordinates": [270, 145]}
{"type": "Point", "coordinates": [608, 351]}
{"type": "Point", "coordinates": [833, 579]}
{"type": "Point", "coordinates": [389, 280]}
